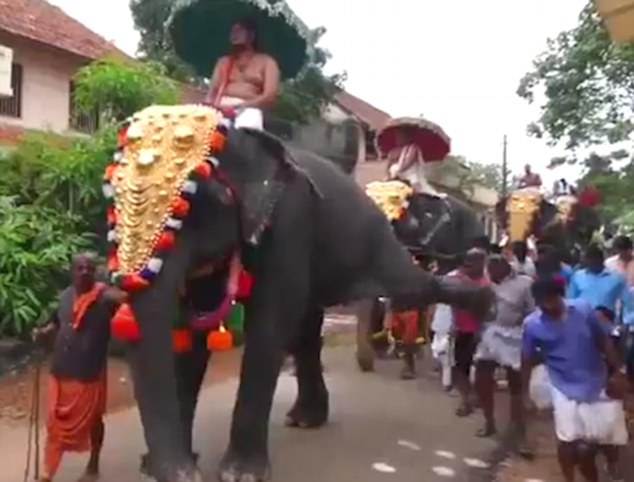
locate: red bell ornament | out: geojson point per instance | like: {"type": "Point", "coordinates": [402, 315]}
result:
{"type": "Point", "coordinates": [219, 340]}
{"type": "Point", "coordinates": [124, 326]}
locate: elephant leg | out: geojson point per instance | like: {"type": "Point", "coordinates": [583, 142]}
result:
{"type": "Point", "coordinates": [191, 368]}
{"type": "Point", "coordinates": [190, 372]}
{"type": "Point", "coordinates": [311, 407]}
{"type": "Point", "coordinates": [153, 369]}
{"type": "Point", "coordinates": [365, 350]}
{"type": "Point", "coordinates": [276, 308]}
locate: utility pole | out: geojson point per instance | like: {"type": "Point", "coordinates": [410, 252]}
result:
{"type": "Point", "coordinates": [505, 170]}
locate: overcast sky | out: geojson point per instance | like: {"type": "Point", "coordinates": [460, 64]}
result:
{"type": "Point", "coordinates": [457, 62]}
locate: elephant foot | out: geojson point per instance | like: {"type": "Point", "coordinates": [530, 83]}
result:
{"type": "Point", "coordinates": [365, 362]}
{"type": "Point", "coordinates": [308, 415]}
{"type": "Point", "coordinates": [146, 471]}
{"type": "Point", "coordinates": [239, 469]}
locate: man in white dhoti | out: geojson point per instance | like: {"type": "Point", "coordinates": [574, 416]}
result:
{"type": "Point", "coordinates": [246, 81]}
{"type": "Point", "coordinates": [501, 341]}
{"type": "Point", "coordinates": [574, 346]}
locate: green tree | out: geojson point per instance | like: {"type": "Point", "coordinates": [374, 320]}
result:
{"type": "Point", "coordinates": [150, 19]}
{"type": "Point", "coordinates": [50, 191]}
{"type": "Point", "coordinates": [300, 99]}
{"type": "Point", "coordinates": [588, 83]}
{"type": "Point", "coordinates": [304, 98]}
{"type": "Point", "coordinates": [119, 88]}
{"type": "Point", "coordinates": [471, 173]}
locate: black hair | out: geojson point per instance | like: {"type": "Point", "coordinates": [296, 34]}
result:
{"type": "Point", "coordinates": [547, 286]}
{"type": "Point", "coordinates": [520, 250]}
{"type": "Point", "coordinates": [548, 262]}
{"type": "Point", "coordinates": [594, 252]}
{"type": "Point", "coordinates": [622, 243]}
{"type": "Point", "coordinates": [482, 242]}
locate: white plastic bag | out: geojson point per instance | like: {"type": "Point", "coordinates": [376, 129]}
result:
{"type": "Point", "coordinates": [540, 389]}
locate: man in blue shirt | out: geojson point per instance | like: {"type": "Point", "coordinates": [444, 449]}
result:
{"type": "Point", "coordinates": [574, 345]}
{"type": "Point", "coordinates": [601, 287]}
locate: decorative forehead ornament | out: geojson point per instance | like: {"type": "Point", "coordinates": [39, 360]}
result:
{"type": "Point", "coordinates": [162, 152]}
{"type": "Point", "coordinates": [521, 207]}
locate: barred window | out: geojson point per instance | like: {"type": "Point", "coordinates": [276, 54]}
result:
{"type": "Point", "coordinates": [12, 106]}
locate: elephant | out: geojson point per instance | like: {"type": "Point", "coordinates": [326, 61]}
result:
{"type": "Point", "coordinates": [431, 228]}
{"type": "Point", "coordinates": [189, 189]}
{"type": "Point", "coordinates": [565, 223]}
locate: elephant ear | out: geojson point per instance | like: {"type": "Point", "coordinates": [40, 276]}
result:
{"type": "Point", "coordinates": [260, 167]}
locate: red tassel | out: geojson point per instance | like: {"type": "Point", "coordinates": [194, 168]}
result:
{"type": "Point", "coordinates": [122, 137]}
{"type": "Point", "coordinates": [203, 169]}
{"type": "Point", "coordinates": [182, 341]}
{"type": "Point", "coordinates": [245, 285]}
{"type": "Point", "coordinates": [111, 216]}
{"type": "Point", "coordinates": [216, 141]}
{"type": "Point", "coordinates": [220, 340]}
{"type": "Point", "coordinates": [180, 207]}
{"type": "Point", "coordinates": [110, 169]}
{"type": "Point", "coordinates": [113, 263]}
{"type": "Point", "coordinates": [133, 282]}
{"type": "Point", "coordinates": [166, 241]}
{"type": "Point", "coordinates": [124, 325]}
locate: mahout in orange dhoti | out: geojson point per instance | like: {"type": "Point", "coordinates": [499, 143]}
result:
{"type": "Point", "coordinates": [77, 384]}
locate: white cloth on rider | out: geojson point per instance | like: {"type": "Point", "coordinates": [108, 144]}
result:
{"type": "Point", "coordinates": [411, 167]}
{"type": "Point", "coordinates": [250, 117]}
{"type": "Point", "coordinates": [601, 422]}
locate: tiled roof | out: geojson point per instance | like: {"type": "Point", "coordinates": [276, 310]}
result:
{"type": "Point", "coordinates": [366, 113]}
{"type": "Point", "coordinates": [42, 22]}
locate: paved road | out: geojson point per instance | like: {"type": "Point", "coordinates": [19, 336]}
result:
{"type": "Point", "coordinates": [382, 429]}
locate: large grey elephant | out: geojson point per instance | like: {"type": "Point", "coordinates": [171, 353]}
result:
{"type": "Point", "coordinates": [307, 233]}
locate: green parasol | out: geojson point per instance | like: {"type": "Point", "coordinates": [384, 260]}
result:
{"type": "Point", "coordinates": [200, 31]}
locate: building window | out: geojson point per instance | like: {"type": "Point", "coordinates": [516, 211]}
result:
{"type": "Point", "coordinates": [80, 121]}
{"type": "Point", "coordinates": [12, 106]}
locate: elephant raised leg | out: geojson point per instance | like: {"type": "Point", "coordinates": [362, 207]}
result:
{"type": "Point", "coordinates": [311, 407]}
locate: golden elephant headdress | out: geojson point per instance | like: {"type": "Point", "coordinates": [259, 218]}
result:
{"type": "Point", "coordinates": [162, 151]}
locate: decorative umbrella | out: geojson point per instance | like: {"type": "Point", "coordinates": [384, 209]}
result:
{"type": "Point", "coordinates": [429, 137]}
{"type": "Point", "coordinates": [200, 32]}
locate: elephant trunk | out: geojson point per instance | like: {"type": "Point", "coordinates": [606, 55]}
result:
{"type": "Point", "coordinates": [461, 294]}
{"type": "Point", "coordinates": [154, 372]}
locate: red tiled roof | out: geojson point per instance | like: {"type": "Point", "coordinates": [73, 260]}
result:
{"type": "Point", "coordinates": [42, 22]}
{"type": "Point", "coordinates": [366, 113]}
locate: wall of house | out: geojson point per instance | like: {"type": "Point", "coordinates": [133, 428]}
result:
{"type": "Point", "coordinates": [45, 84]}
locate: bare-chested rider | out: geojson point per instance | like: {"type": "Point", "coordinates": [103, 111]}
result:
{"type": "Point", "coordinates": [246, 80]}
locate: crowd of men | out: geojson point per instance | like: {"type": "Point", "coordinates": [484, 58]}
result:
{"type": "Point", "coordinates": [573, 320]}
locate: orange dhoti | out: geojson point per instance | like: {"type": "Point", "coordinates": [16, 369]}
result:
{"type": "Point", "coordinates": [405, 324]}
{"type": "Point", "coordinates": [75, 410]}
